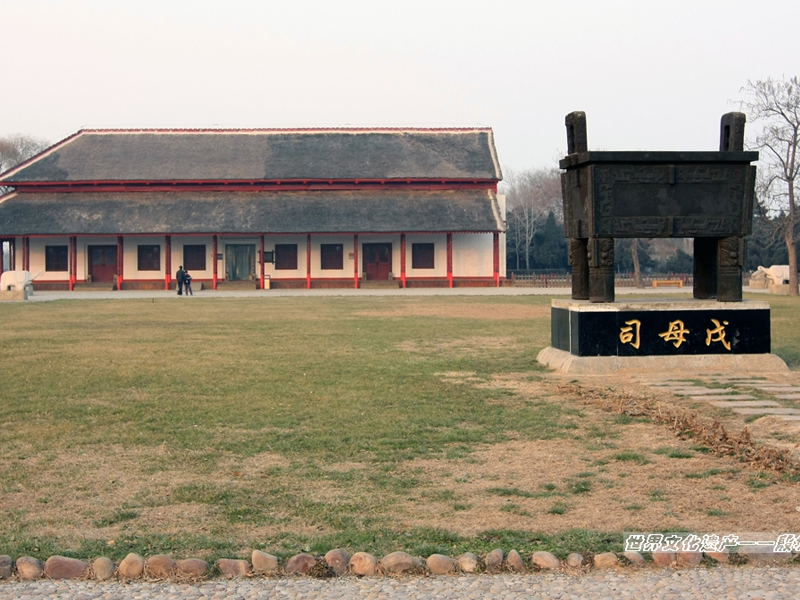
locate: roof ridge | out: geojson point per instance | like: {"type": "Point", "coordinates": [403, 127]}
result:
{"type": "Point", "coordinates": [274, 129]}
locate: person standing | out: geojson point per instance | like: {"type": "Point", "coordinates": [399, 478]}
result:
{"type": "Point", "coordinates": [187, 283]}
{"type": "Point", "coordinates": [180, 277]}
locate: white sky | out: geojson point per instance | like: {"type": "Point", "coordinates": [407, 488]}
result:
{"type": "Point", "coordinates": [650, 75]}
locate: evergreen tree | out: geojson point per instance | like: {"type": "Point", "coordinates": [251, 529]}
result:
{"type": "Point", "coordinates": [680, 262]}
{"type": "Point", "coordinates": [623, 259]}
{"type": "Point", "coordinates": [549, 246]}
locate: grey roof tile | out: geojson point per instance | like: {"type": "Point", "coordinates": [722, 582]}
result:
{"type": "Point", "coordinates": [246, 155]}
{"type": "Point", "coordinates": [340, 211]}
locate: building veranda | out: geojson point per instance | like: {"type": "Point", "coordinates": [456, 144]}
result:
{"type": "Point", "coordinates": [300, 208]}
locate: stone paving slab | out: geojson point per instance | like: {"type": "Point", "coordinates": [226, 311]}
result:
{"type": "Point", "coordinates": [772, 388]}
{"type": "Point", "coordinates": [788, 396]}
{"type": "Point", "coordinates": [721, 582]}
{"type": "Point", "coordinates": [721, 398]}
{"type": "Point", "coordinates": [700, 390]}
{"type": "Point", "coordinates": [767, 411]}
{"type": "Point", "coordinates": [744, 403]}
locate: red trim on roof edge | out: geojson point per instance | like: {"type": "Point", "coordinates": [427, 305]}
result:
{"type": "Point", "coordinates": [277, 129]}
{"type": "Point", "coordinates": [243, 234]}
{"type": "Point", "coordinates": [244, 186]}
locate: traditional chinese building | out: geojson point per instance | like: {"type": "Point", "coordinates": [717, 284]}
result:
{"type": "Point", "coordinates": [291, 208]}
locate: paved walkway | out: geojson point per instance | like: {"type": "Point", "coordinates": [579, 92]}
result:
{"type": "Point", "coordinates": [720, 583]}
{"type": "Point", "coordinates": [345, 292]}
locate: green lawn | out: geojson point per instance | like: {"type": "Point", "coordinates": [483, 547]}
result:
{"type": "Point", "coordinates": [177, 426]}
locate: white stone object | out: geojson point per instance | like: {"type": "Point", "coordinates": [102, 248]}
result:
{"type": "Point", "coordinates": [16, 281]}
{"type": "Point", "coordinates": [777, 274]}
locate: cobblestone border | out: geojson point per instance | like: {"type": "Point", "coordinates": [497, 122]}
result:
{"type": "Point", "coordinates": [338, 563]}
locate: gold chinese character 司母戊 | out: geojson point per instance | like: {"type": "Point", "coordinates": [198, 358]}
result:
{"type": "Point", "coordinates": [630, 334]}
{"type": "Point", "coordinates": [719, 332]}
{"type": "Point", "coordinates": [676, 333]}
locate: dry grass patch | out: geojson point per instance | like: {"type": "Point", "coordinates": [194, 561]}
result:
{"type": "Point", "coordinates": [475, 310]}
{"type": "Point", "coordinates": [211, 427]}
{"type": "Point", "coordinates": [470, 346]}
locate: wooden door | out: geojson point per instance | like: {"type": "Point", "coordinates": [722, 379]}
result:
{"type": "Point", "coordinates": [377, 261]}
{"type": "Point", "coordinates": [102, 263]}
{"type": "Point", "coordinates": [240, 262]}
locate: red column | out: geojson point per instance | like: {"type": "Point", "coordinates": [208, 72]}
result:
{"type": "Point", "coordinates": [167, 261]}
{"type": "Point", "coordinates": [403, 260]}
{"type": "Point", "coordinates": [12, 263]}
{"type": "Point", "coordinates": [214, 264]}
{"type": "Point", "coordinates": [71, 259]}
{"type": "Point", "coordinates": [496, 256]}
{"type": "Point", "coordinates": [308, 262]}
{"type": "Point", "coordinates": [2, 255]}
{"type": "Point", "coordinates": [355, 261]}
{"type": "Point", "coordinates": [26, 253]}
{"type": "Point", "coordinates": [262, 262]}
{"type": "Point", "coordinates": [120, 261]}
{"type": "Point", "coordinates": [449, 260]}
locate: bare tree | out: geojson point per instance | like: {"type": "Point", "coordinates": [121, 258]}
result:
{"type": "Point", "coordinates": [530, 195]}
{"type": "Point", "coordinates": [17, 148]}
{"type": "Point", "coordinates": [776, 104]}
{"type": "Point", "coordinates": [637, 269]}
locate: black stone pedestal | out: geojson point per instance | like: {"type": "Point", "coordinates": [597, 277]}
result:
{"type": "Point", "coordinates": [657, 328]}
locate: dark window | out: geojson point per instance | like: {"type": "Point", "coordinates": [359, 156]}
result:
{"type": "Point", "coordinates": [331, 256]}
{"type": "Point", "coordinates": [286, 257]}
{"type": "Point", "coordinates": [149, 258]}
{"type": "Point", "coordinates": [56, 258]}
{"type": "Point", "coordinates": [194, 257]}
{"type": "Point", "coordinates": [421, 256]}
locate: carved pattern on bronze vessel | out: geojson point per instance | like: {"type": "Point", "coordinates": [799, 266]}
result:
{"type": "Point", "coordinates": [574, 253]}
{"type": "Point", "coordinates": [730, 250]}
{"type": "Point", "coordinates": [705, 226]}
{"type": "Point", "coordinates": [668, 226]}
{"type": "Point", "coordinates": [600, 252]}
{"type": "Point", "coordinates": [604, 186]}
{"type": "Point", "coordinates": [636, 174]}
{"type": "Point", "coordinates": [705, 174]}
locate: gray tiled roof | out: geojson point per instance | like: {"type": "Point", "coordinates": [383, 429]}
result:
{"type": "Point", "coordinates": [341, 211]}
{"type": "Point", "coordinates": [246, 155]}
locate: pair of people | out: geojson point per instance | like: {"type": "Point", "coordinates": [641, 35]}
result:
{"type": "Point", "coordinates": [184, 281]}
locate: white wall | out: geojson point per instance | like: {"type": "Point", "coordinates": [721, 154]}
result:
{"type": "Point", "coordinates": [37, 254]}
{"type": "Point", "coordinates": [130, 265]}
{"type": "Point", "coordinates": [472, 255]}
{"type": "Point", "coordinates": [177, 242]}
{"type": "Point", "coordinates": [439, 241]}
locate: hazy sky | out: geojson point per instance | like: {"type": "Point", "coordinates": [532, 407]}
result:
{"type": "Point", "coordinates": [650, 75]}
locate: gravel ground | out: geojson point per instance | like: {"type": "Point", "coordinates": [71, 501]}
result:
{"type": "Point", "coordinates": [720, 583]}
{"type": "Point", "coordinates": [504, 291]}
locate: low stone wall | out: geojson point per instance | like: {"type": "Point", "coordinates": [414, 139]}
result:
{"type": "Point", "coordinates": [338, 562]}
